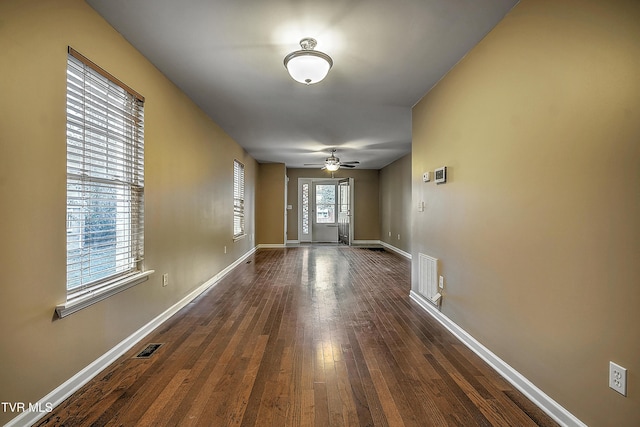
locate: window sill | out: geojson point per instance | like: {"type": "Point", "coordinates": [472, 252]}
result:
{"type": "Point", "coordinates": [240, 237]}
{"type": "Point", "coordinates": [92, 297]}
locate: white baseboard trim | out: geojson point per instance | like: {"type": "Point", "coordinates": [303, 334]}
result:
{"type": "Point", "coordinates": [293, 242]}
{"type": "Point", "coordinates": [396, 250]}
{"type": "Point", "coordinates": [270, 245]}
{"type": "Point", "coordinates": [526, 387]}
{"type": "Point", "coordinates": [73, 384]}
{"type": "Point", "coordinates": [364, 242]}
{"type": "Point", "coordinates": [383, 244]}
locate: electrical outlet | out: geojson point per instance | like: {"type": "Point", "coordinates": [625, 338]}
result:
{"type": "Point", "coordinates": [165, 279]}
{"type": "Point", "coordinates": [441, 282]}
{"type": "Point", "coordinates": [389, 234]}
{"type": "Point", "coordinates": [225, 249]}
{"type": "Point", "coordinates": [618, 378]}
{"type": "Point", "coordinates": [398, 237]}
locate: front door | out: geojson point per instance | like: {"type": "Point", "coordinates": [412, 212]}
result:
{"type": "Point", "coordinates": [325, 211]}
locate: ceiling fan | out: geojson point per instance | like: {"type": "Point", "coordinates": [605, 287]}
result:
{"type": "Point", "coordinates": [333, 163]}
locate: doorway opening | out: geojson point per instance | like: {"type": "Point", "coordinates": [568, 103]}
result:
{"type": "Point", "coordinates": [325, 210]}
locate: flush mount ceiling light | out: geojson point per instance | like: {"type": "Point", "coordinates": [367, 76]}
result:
{"type": "Point", "coordinates": [307, 65]}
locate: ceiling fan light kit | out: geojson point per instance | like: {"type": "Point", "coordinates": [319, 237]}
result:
{"type": "Point", "coordinates": [308, 66]}
{"type": "Point", "coordinates": [332, 167]}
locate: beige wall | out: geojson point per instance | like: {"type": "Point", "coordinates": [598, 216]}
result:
{"type": "Point", "coordinates": [395, 204]}
{"type": "Point", "coordinates": [188, 196]}
{"type": "Point", "coordinates": [270, 208]}
{"type": "Point", "coordinates": [538, 226]}
{"type": "Point", "coordinates": [366, 195]}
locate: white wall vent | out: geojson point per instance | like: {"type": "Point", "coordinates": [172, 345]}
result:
{"type": "Point", "coordinates": [428, 278]}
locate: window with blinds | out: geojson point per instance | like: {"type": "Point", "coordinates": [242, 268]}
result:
{"type": "Point", "coordinates": [105, 178]}
{"type": "Point", "coordinates": [238, 199]}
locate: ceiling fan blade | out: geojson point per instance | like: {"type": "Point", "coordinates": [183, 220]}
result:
{"type": "Point", "coordinates": [355, 162]}
{"type": "Point", "coordinates": [342, 165]}
{"type": "Point", "coordinates": [314, 164]}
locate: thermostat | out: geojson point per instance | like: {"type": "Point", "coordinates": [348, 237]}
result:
{"type": "Point", "coordinates": [426, 177]}
{"type": "Point", "coordinates": [441, 175]}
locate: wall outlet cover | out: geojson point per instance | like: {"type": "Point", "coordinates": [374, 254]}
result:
{"type": "Point", "coordinates": [618, 378]}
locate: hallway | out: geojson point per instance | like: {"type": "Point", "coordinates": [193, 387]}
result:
{"type": "Point", "coordinates": [311, 335]}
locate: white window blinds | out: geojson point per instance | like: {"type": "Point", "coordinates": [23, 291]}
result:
{"type": "Point", "coordinates": [105, 177]}
{"type": "Point", "coordinates": [238, 199]}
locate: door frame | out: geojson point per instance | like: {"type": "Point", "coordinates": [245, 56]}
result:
{"type": "Point", "coordinates": [308, 237]}
{"type": "Point", "coordinates": [349, 214]}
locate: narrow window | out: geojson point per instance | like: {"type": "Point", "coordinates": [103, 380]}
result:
{"type": "Point", "coordinates": [238, 199]}
{"type": "Point", "coordinates": [105, 178]}
{"type": "Point", "coordinates": [305, 208]}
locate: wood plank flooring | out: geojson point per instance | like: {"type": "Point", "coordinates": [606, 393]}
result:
{"type": "Point", "coordinates": [305, 336]}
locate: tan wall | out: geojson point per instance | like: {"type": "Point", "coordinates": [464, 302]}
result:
{"type": "Point", "coordinates": [538, 227]}
{"type": "Point", "coordinates": [366, 195]}
{"type": "Point", "coordinates": [395, 204]}
{"type": "Point", "coordinates": [270, 208]}
{"type": "Point", "coordinates": [188, 196]}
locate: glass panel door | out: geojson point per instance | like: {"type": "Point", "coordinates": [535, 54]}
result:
{"type": "Point", "coordinates": [325, 220]}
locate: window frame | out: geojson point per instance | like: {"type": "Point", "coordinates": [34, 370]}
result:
{"type": "Point", "coordinates": [105, 167]}
{"type": "Point", "coordinates": [239, 228]}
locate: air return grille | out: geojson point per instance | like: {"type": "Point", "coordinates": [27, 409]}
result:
{"type": "Point", "coordinates": [428, 277]}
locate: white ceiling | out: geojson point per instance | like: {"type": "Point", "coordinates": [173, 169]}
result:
{"type": "Point", "coordinates": [227, 56]}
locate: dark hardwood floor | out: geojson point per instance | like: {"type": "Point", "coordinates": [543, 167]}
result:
{"type": "Point", "coordinates": [316, 335]}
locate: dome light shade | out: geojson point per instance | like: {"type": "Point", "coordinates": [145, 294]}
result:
{"type": "Point", "coordinates": [332, 163]}
{"type": "Point", "coordinates": [308, 66]}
